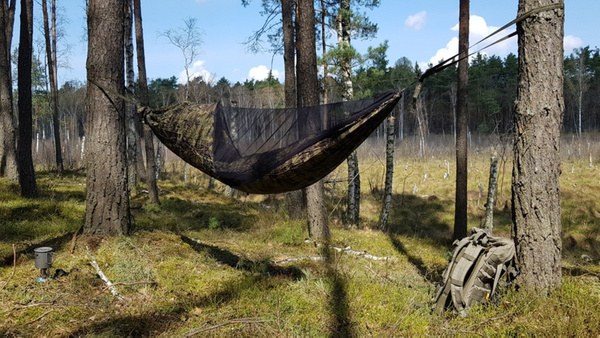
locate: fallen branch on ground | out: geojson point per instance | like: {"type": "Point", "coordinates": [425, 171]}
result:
{"type": "Point", "coordinates": [349, 250]}
{"type": "Point", "coordinates": [108, 283]}
{"type": "Point", "coordinates": [14, 267]}
{"type": "Point", "coordinates": [74, 239]}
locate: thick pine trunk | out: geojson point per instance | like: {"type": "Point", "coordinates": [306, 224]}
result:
{"type": "Point", "coordinates": [107, 196]}
{"type": "Point", "coordinates": [25, 160]}
{"type": "Point", "coordinates": [8, 155]}
{"type": "Point", "coordinates": [536, 169]}
{"type": "Point", "coordinates": [308, 95]}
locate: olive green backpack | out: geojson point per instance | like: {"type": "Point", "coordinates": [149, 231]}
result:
{"type": "Point", "coordinates": [478, 263]}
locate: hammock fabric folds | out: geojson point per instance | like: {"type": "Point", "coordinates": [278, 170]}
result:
{"type": "Point", "coordinates": [267, 151]}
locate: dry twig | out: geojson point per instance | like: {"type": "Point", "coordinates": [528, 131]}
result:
{"type": "Point", "coordinates": [74, 239]}
{"type": "Point", "coordinates": [108, 283]}
{"type": "Point", "coordinates": [38, 318]}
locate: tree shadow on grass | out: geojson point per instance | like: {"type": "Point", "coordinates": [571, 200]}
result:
{"type": "Point", "coordinates": [237, 262]}
{"type": "Point", "coordinates": [160, 321]}
{"type": "Point", "coordinates": [180, 215]}
{"type": "Point", "coordinates": [55, 243]}
{"type": "Point", "coordinates": [416, 217]}
{"type": "Point", "coordinates": [341, 323]}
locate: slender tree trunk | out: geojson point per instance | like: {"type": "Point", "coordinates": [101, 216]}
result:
{"type": "Point", "coordinates": [132, 139]}
{"type": "Point", "coordinates": [50, 38]}
{"type": "Point", "coordinates": [107, 196]}
{"type": "Point", "coordinates": [389, 174]}
{"type": "Point", "coordinates": [343, 35]}
{"type": "Point", "coordinates": [25, 160]}
{"type": "Point", "coordinates": [460, 209]}
{"type": "Point", "coordinates": [151, 164]}
{"type": "Point", "coordinates": [294, 199]}
{"type": "Point", "coordinates": [538, 119]}
{"type": "Point", "coordinates": [308, 95]}
{"type": "Point", "coordinates": [491, 197]}
{"type": "Point", "coordinates": [8, 156]}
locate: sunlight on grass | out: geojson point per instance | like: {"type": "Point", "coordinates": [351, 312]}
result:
{"type": "Point", "coordinates": [202, 260]}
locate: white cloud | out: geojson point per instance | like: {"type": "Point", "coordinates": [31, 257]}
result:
{"type": "Point", "coordinates": [450, 50]}
{"type": "Point", "coordinates": [478, 29]}
{"type": "Point", "coordinates": [416, 22]}
{"type": "Point", "coordinates": [261, 72]}
{"type": "Point", "coordinates": [571, 42]}
{"type": "Point", "coordinates": [197, 69]}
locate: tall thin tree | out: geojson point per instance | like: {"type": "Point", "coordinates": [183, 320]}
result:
{"type": "Point", "coordinates": [460, 209]}
{"type": "Point", "coordinates": [107, 196]}
{"type": "Point", "coordinates": [145, 101]}
{"type": "Point", "coordinates": [25, 160]}
{"type": "Point", "coordinates": [50, 37]}
{"type": "Point", "coordinates": [536, 167]}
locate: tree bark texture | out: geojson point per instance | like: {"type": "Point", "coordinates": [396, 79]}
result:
{"type": "Point", "coordinates": [8, 152]}
{"type": "Point", "coordinates": [107, 199]}
{"type": "Point", "coordinates": [145, 101]}
{"type": "Point", "coordinates": [460, 210]}
{"type": "Point", "coordinates": [536, 169]}
{"type": "Point", "coordinates": [24, 156]}
{"type": "Point", "coordinates": [308, 95]}
{"type": "Point", "coordinates": [389, 175]}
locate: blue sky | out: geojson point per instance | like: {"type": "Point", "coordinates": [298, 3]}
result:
{"type": "Point", "coordinates": [423, 31]}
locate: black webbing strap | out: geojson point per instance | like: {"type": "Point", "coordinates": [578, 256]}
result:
{"type": "Point", "coordinates": [453, 59]}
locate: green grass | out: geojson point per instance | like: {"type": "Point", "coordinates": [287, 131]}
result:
{"type": "Point", "coordinates": [202, 261]}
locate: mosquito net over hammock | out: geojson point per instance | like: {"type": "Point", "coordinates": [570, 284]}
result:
{"type": "Point", "coordinates": [267, 151]}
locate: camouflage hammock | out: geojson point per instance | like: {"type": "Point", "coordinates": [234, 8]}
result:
{"type": "Point", "coordinates": [267, 151]}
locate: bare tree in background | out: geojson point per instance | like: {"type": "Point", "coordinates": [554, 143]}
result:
{"type": "Point", "coordinates": [188, 39]}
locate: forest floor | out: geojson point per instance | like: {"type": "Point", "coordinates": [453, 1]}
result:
{"type": "Point", "coordinates": [209, 265]}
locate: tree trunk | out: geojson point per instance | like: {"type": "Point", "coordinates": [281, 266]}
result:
{"type": "Point", "coordinates": [151, 170]}
{"type": "Point", "coordinates": [52, 72]}
{"type": "Point", "coordinates": [25, 160]}
{"type": "Point", "coordinates": [131, 116]}
{"type": "Point", "coordinates": [8, 156]}
{"type": "Point", "coordinates": [308, 95]}
{"type": "Point", "coordinates": [294, 199]}
{"type": "Point", "coordinates": [343, 40]}
{"type": "Point", "coordinates": [491, 197]}
{"type": "Point", "coordinates": [389, 175]}
{"type": "Point", "coordinates": [538, 118]}
{"type": "Point", "coordinates": [460, 209]}
{"type": "Point", "coordinates": [107, 197]}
